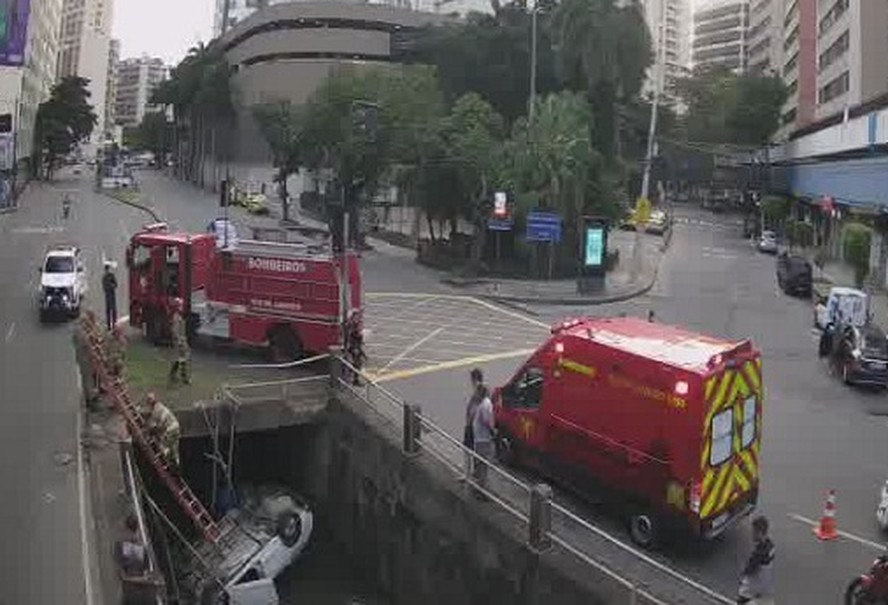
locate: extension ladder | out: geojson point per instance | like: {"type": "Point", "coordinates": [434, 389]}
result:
{"type": "Point", "coordinates": [116, 388]}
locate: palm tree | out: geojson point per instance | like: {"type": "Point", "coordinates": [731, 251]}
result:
{"type": "Point", "coordinates": [604, 50]}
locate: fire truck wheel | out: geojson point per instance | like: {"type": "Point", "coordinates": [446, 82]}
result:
{"type": "Point", "coordinates": [284, 344]}
{"type": "Point", "coordinates": [289, 528]}
{"type": "Point", "coordinates": [643, 528]}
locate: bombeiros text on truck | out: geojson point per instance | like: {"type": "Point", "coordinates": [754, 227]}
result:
{"type": "Point", "coordinates": [663, 422]}
{"type": "Point", "coordinates": [288, 297]}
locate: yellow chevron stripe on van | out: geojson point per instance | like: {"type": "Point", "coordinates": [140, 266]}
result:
{"type": "Point", "coordinates": [710, 384]}
{"type": "Point", "coordinates": [711, 497]}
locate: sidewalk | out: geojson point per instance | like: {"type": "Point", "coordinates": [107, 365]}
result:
{"type": "Point", "coordinates": [619, 284]}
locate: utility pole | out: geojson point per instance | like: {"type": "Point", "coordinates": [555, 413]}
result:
{"type": "Point", "coordinates": [226, 6]}
{"type": "Point", "coordinates": [659, 65]}
{"type": "Point", "coordinates": [533, 62]}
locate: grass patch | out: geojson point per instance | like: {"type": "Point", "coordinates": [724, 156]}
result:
{"type": "Point", "coordinates": [148, 370]}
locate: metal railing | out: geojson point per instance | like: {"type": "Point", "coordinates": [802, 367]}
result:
{"type": "Point", "coordinates": [641, 578]}
{"type": "Point", "coordinates": [275, 390]}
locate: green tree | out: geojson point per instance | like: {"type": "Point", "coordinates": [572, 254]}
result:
{"type": "Point", "coordinates": [282, 125]}
{"type": "Point", "coordinates": [153, 135]}
{"type": "Point", "coordinates": [64, 120]}
{"type": "Point", "coordinates": [776, 209]}
{"type": "Point", "coordinates": [553, 159]}
{"type": "Point", "coordinates": [724, 107]}
{"type": "Point", "coordinates": [360, 123]}
{"type": "Point", "coordinates": [856, 249]}
{"type": "Point", "coordinates": [605, 50]}
{"type": "Point", "coordinates": [473, 138]}
{"type": "Point", "coordinates": [490, 55]}
{"type": "Point", "coordinates": [200, 93]}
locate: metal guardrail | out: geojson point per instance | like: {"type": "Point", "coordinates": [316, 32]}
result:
{"type": "Point", "coordinates": [649, 580]}
{"type": "Point", "coordinates": [275, 390]}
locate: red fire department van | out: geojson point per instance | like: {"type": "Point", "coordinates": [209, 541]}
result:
{"type": "Point", "coordinates": [666, 420]}
{"type": "Point", "coordinates": [280, 295]}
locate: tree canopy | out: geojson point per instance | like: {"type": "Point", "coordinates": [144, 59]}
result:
{"type": "Point", "coordinates": [724, 107]}
{"type": "Point", "coordinates": [63, 121]}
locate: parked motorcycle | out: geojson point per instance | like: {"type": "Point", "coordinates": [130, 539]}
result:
{"type": "Point", "coordinates": [870, 588]}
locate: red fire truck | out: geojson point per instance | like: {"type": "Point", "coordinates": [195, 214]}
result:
{"type": "Point", "coordinates": [661, 421]}
{"type": "Point", "coordinates": [284, 296]}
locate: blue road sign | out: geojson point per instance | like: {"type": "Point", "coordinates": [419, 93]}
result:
{"type": "Point", "coordinates": [544, 227]}
{"type": "Point", "coordinates": [499, 224]}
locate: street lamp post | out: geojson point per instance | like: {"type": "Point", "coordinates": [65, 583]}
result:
{"type": "Point", "coordinates": [533, 62]}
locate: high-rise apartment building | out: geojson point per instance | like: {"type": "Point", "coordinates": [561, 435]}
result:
{"type": "Point", "coordinates": [85, 50]}
{"type": "Point", "coordinates": [111, 92]}
{"type": "Point", "coordinates": [798, 65]}
{"type": "Point", "coordinates": [669, 25]}
{"type": "Point", "coordinates": [720, 34]}
{"type": "Point", "coordinates": [27, 73]}
{"type": "Point", "coordinates": [764, 44]}
{"type": "Point", "coordinates": [136, 81]}
{"type": "Point", "coordinates": [852, 47]}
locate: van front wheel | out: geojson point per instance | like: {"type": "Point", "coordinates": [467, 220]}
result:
{"type": "Point", "coordinates": [643, 528]}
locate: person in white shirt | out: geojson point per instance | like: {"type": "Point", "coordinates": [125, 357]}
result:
{"type": "Point", "coordinates": [483, 434]}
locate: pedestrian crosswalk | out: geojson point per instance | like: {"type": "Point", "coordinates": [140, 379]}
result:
{"type": "Point", "coordinates": [718, 253]}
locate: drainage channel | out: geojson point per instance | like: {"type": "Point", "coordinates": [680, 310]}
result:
{"type": "Point", "coordinates": [323, 574]}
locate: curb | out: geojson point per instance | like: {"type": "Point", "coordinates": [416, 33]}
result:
{"type": "Point", "coordinates": [135, 205]}
{"type": "Point", "coordinates": [574, 301]}
{"type": "Point", "coordinates": [8, 209]}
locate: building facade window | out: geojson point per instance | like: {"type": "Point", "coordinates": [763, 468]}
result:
{"type": "Point", "coordinates": [835, 88]}
{"type": "Point", "coordinates": [791, 64]}
{"type": "Point", "coordinates": [791, 38]}
{"type": "Point", "coordinates": [832, 15]}
{"type": "Point", "coordinates": [835, 51]}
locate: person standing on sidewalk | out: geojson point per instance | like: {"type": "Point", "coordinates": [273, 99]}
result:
{"type": "Point", "coordinates": [757, 579]}
{"type": "Point", "coordinates": [181, 351]}
{"type": "Point", "coordinates": [484, 433]}
{"type": "Point", "coordinates": [477, 381]}
{"type": "Point", "coordinates": [109, 286]}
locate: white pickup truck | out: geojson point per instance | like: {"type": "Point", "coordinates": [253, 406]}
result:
{"type": "Point", "coordinates": [851, 303]}
{"type": "Point", "coordinates": [260, 539]}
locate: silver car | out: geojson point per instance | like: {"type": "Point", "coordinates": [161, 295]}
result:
{"type": "Point", "coordinates": [768, 242]}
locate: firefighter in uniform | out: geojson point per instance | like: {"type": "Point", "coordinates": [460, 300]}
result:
{"type": "Point", "coordinates": [181, 351]}
{"type": "Point", "coordinates": [115, 351]}
{"type": "Point", "coordinates": [88, 377]}
{"type": "Point", "coordinates": [163, 427]}
{"type": "Point", "coordinates": [354, 345]}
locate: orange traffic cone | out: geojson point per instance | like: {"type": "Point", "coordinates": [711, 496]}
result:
{"type": "Point", "coordinates": [827, 529]}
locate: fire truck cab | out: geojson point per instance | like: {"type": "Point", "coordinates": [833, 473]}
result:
{"type": "Point", "coordinates": [288, 297]}
{"type": "Point", "coordinates": [663, 422]}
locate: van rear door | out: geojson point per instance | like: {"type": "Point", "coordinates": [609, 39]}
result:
{"type": "Point", "coordinates": [731, 441]}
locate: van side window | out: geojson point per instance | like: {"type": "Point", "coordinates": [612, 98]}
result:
{"type": "Point", "coordinates": [527, 391]}
{"type": "Point", "coordinates": [722, 437]}
{"type": "Point", "coordinates": [749, 413]}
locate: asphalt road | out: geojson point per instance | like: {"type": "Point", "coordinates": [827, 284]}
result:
{"type": "Point", "coordinates": [422, 340]}
{"type": "Point", "coordinates": [817, 435]}
{"type": "Point", "coordinates": [44, 512]}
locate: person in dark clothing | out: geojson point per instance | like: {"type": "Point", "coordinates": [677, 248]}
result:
{"type": "Point", "coordinates": [109, 286]}
{"type": "Point", "coordinates": [757, 579]}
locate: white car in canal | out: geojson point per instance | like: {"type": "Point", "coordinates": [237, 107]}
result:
{"type": "Point", "coordinates": [261, 538]}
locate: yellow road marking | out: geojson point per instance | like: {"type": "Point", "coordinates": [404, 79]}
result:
{"type": "Point", "coordinates": [449, 365]}
{"type": "Point", "coordinates": [525, 318]}
{"type": "Point", "coordinates": [412, 347]}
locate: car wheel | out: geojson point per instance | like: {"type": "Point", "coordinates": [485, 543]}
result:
{"type": "Point", "coordinates": [505, 450]}
{"type": "Point", "coordinates": [643, 528]}
{"type": "Point", "coordinates": [289, 528]}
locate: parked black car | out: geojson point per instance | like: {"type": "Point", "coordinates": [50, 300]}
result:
{"type": "Point", "coordinates": [861, 356]}
{"type": "Point", "coordinates": [794, 275]}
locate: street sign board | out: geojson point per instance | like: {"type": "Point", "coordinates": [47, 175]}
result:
{"type": "Point", "coordinates": [544, 227]}
{"type": "Point", "coordinates": [499, 224]}
{"type": "Point", "coordinates": [500, 210]}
